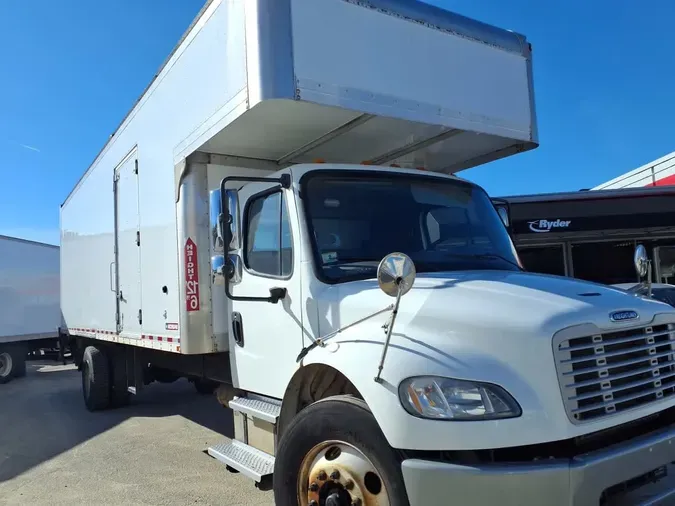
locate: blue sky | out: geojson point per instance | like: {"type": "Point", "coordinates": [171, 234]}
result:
{"type": "Point", "coordinates": [71, 69]}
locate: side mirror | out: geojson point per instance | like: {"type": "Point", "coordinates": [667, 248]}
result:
{"type": "Point", "coordinates": [231, 219]}
{"type": "Point", "coordinates": [224, 228]}
{"type": "Point", "coordinates": [643, 267]}
{"type": "Point", "coordinates": [220, 268]}
{"type": "Point", "coordinates": [215, 228]}
{"type": "Point", "coordinates": [396, 274]}
{"type": "Point", "coordinates": [504, 215]}
{"type": "Point", "coordinates": [224, 220]}
{"type": "Point", "coordinates": [641, 261]}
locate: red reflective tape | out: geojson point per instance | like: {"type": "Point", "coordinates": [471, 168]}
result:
{"type": "Point", "coordinates": [159, 338]}
{"type": "Point", "coordinates": [169, 339]}
{"type": "Point", "coordinates": [191, 276]}
{"type": "Point", "coordinates": [664, 181]}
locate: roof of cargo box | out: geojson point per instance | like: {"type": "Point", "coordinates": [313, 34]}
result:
{"type": "Point", "coordinates": [423, 14]}
{"type": "Point", "coordinates": [409, 9]}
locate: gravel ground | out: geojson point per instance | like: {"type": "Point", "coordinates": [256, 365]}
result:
{"type": "Point", "coordinates": [52, 451]}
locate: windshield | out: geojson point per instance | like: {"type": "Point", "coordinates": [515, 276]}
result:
{"type": "Point", "coordinates": [441, 224]}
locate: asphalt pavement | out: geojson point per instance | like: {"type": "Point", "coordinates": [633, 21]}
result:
{"type": "Point", "coordinates": [53, 451]}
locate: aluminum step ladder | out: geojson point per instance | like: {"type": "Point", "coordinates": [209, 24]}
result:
{"type": "Point", "coordinates": [250, 452]}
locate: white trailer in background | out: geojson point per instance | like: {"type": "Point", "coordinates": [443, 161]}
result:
{"type": "Point", "coordinates": [30, 312]}
{"type": "Point", "coordinates": [208, 241]}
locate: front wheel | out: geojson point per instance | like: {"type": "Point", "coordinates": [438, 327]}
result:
{"type": "Point", "coordinates": [333, 454]}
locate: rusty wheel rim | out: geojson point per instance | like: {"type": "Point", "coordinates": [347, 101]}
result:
{"type": "Point", "coordinates": [335, 473]}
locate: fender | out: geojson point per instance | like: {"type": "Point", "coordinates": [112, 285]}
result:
{"type": "Point", "coordinates": [348, 364]}
{"type": "Point", "coordinates": [350, 361]}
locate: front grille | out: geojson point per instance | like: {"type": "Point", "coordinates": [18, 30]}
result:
{"type": "Point", "coordinates": [612, 372]}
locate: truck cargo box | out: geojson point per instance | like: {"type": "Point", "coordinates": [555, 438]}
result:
{"type": "Point", "coordinates": [29, 291]}
{"type": "Point", "coordinates": [269, 83]}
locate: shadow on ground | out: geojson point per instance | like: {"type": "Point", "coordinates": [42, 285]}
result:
{"type": "Point", "coordinates": [43, 414]}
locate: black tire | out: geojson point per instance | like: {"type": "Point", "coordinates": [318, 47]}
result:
{"type": "Point", "coordinates": [96, 379]}
{"type": "Point", "coordinates": [120, 395]}
{"type": "Point", "coordinates": [6, 366]}
{"type": "Point", "coordinates": [19, 355]}
{"type": "Point", "coordinates": [205, 387]}
{"type": "Point", "coordinates": [339, 418]}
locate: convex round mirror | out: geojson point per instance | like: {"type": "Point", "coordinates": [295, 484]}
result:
{"type": "Point", "coordinates": [641, 261]}
{"type": "Point", "coordinates": [396, 272]}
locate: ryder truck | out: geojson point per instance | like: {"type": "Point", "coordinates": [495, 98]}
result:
{"type": "Point", "coordinates": [260, 223]}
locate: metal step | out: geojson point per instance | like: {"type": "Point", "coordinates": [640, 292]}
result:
{"type": "Point", "coordinates": [244, 458]}
{"type": "Point", "coordinates": [261, 409]}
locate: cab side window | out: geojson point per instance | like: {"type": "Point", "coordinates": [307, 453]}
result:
{"type": "Point", "coordinates": [268, 248]}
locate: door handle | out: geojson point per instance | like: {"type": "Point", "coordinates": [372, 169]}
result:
{"type": "Point", "coordinates": [237, 329]}
{"type": "Point", "coordinates": [276, 294]}
{"type": "Point", "coordinates": [112, 279]}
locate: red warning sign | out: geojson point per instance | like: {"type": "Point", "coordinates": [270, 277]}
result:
{"type": "Point", "coordinates": [191, 276]}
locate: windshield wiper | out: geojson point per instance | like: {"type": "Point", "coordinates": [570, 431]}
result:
{"type": "Point", "coordinates": [487, 256]}
{"type": "Point", "coordinates": [500, 257]}
{"type": "Point", "coordinates": [353, 260]}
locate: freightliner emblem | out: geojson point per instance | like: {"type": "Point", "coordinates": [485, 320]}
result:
{"type": "Point", "coordinates": [622, 316]}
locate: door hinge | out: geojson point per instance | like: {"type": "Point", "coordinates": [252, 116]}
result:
{"type": "Point", "coordinates": [138, 237]}
{"type": "Point", "coordinates": [140, 317]}
{"type": "Point", "coordinates": [135, 166]}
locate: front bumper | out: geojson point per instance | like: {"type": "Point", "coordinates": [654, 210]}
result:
{"type": "Point", "coordinates": [573, 482]}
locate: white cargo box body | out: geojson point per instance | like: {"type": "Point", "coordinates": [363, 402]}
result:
{"type": "Point", "coordinates": [279, 81]}
{"type": "Point", "coordinates": [29, 290]}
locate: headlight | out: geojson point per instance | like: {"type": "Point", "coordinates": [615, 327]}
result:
{"type": "Point", "coordinates": [452, 399]}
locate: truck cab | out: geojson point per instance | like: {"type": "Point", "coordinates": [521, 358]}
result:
{"type": "Point", "coordinates": [397, 296]}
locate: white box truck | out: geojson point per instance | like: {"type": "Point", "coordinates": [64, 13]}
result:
{"type": "Point", "coordinates": [30, 312]}
{"type": "Point", "coordinates": [277, 216]}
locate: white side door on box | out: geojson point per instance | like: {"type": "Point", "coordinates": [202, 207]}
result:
{"type": "Point", "coordinates": [127, 246]}
{"type": "Point", "coordinates": [266, 338]}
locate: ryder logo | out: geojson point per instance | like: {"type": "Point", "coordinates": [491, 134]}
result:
{"type": "Point", "coordinates": [540, 226]}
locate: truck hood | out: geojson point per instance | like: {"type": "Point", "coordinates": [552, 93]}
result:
{"type": "Point", "coordinates": [496, 300]}
{"type": "Point", "coordinates": [492, 326]}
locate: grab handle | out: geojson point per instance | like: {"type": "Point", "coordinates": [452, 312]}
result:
{"type": "Point", "coordinates": [113, 288]}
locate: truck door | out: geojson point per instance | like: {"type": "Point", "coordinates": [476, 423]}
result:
{"type": "Point", "coordinates": [127, 247]}
{"type": "Point", "coordinates": [266, 338]}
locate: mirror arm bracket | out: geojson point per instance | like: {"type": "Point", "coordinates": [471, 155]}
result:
{"type": "Point", "coordinates": [322, 340]}
{"type": "Point", "coordinates": [284, 181]}
{"type": "Point", "coordinates": [390, 328]}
